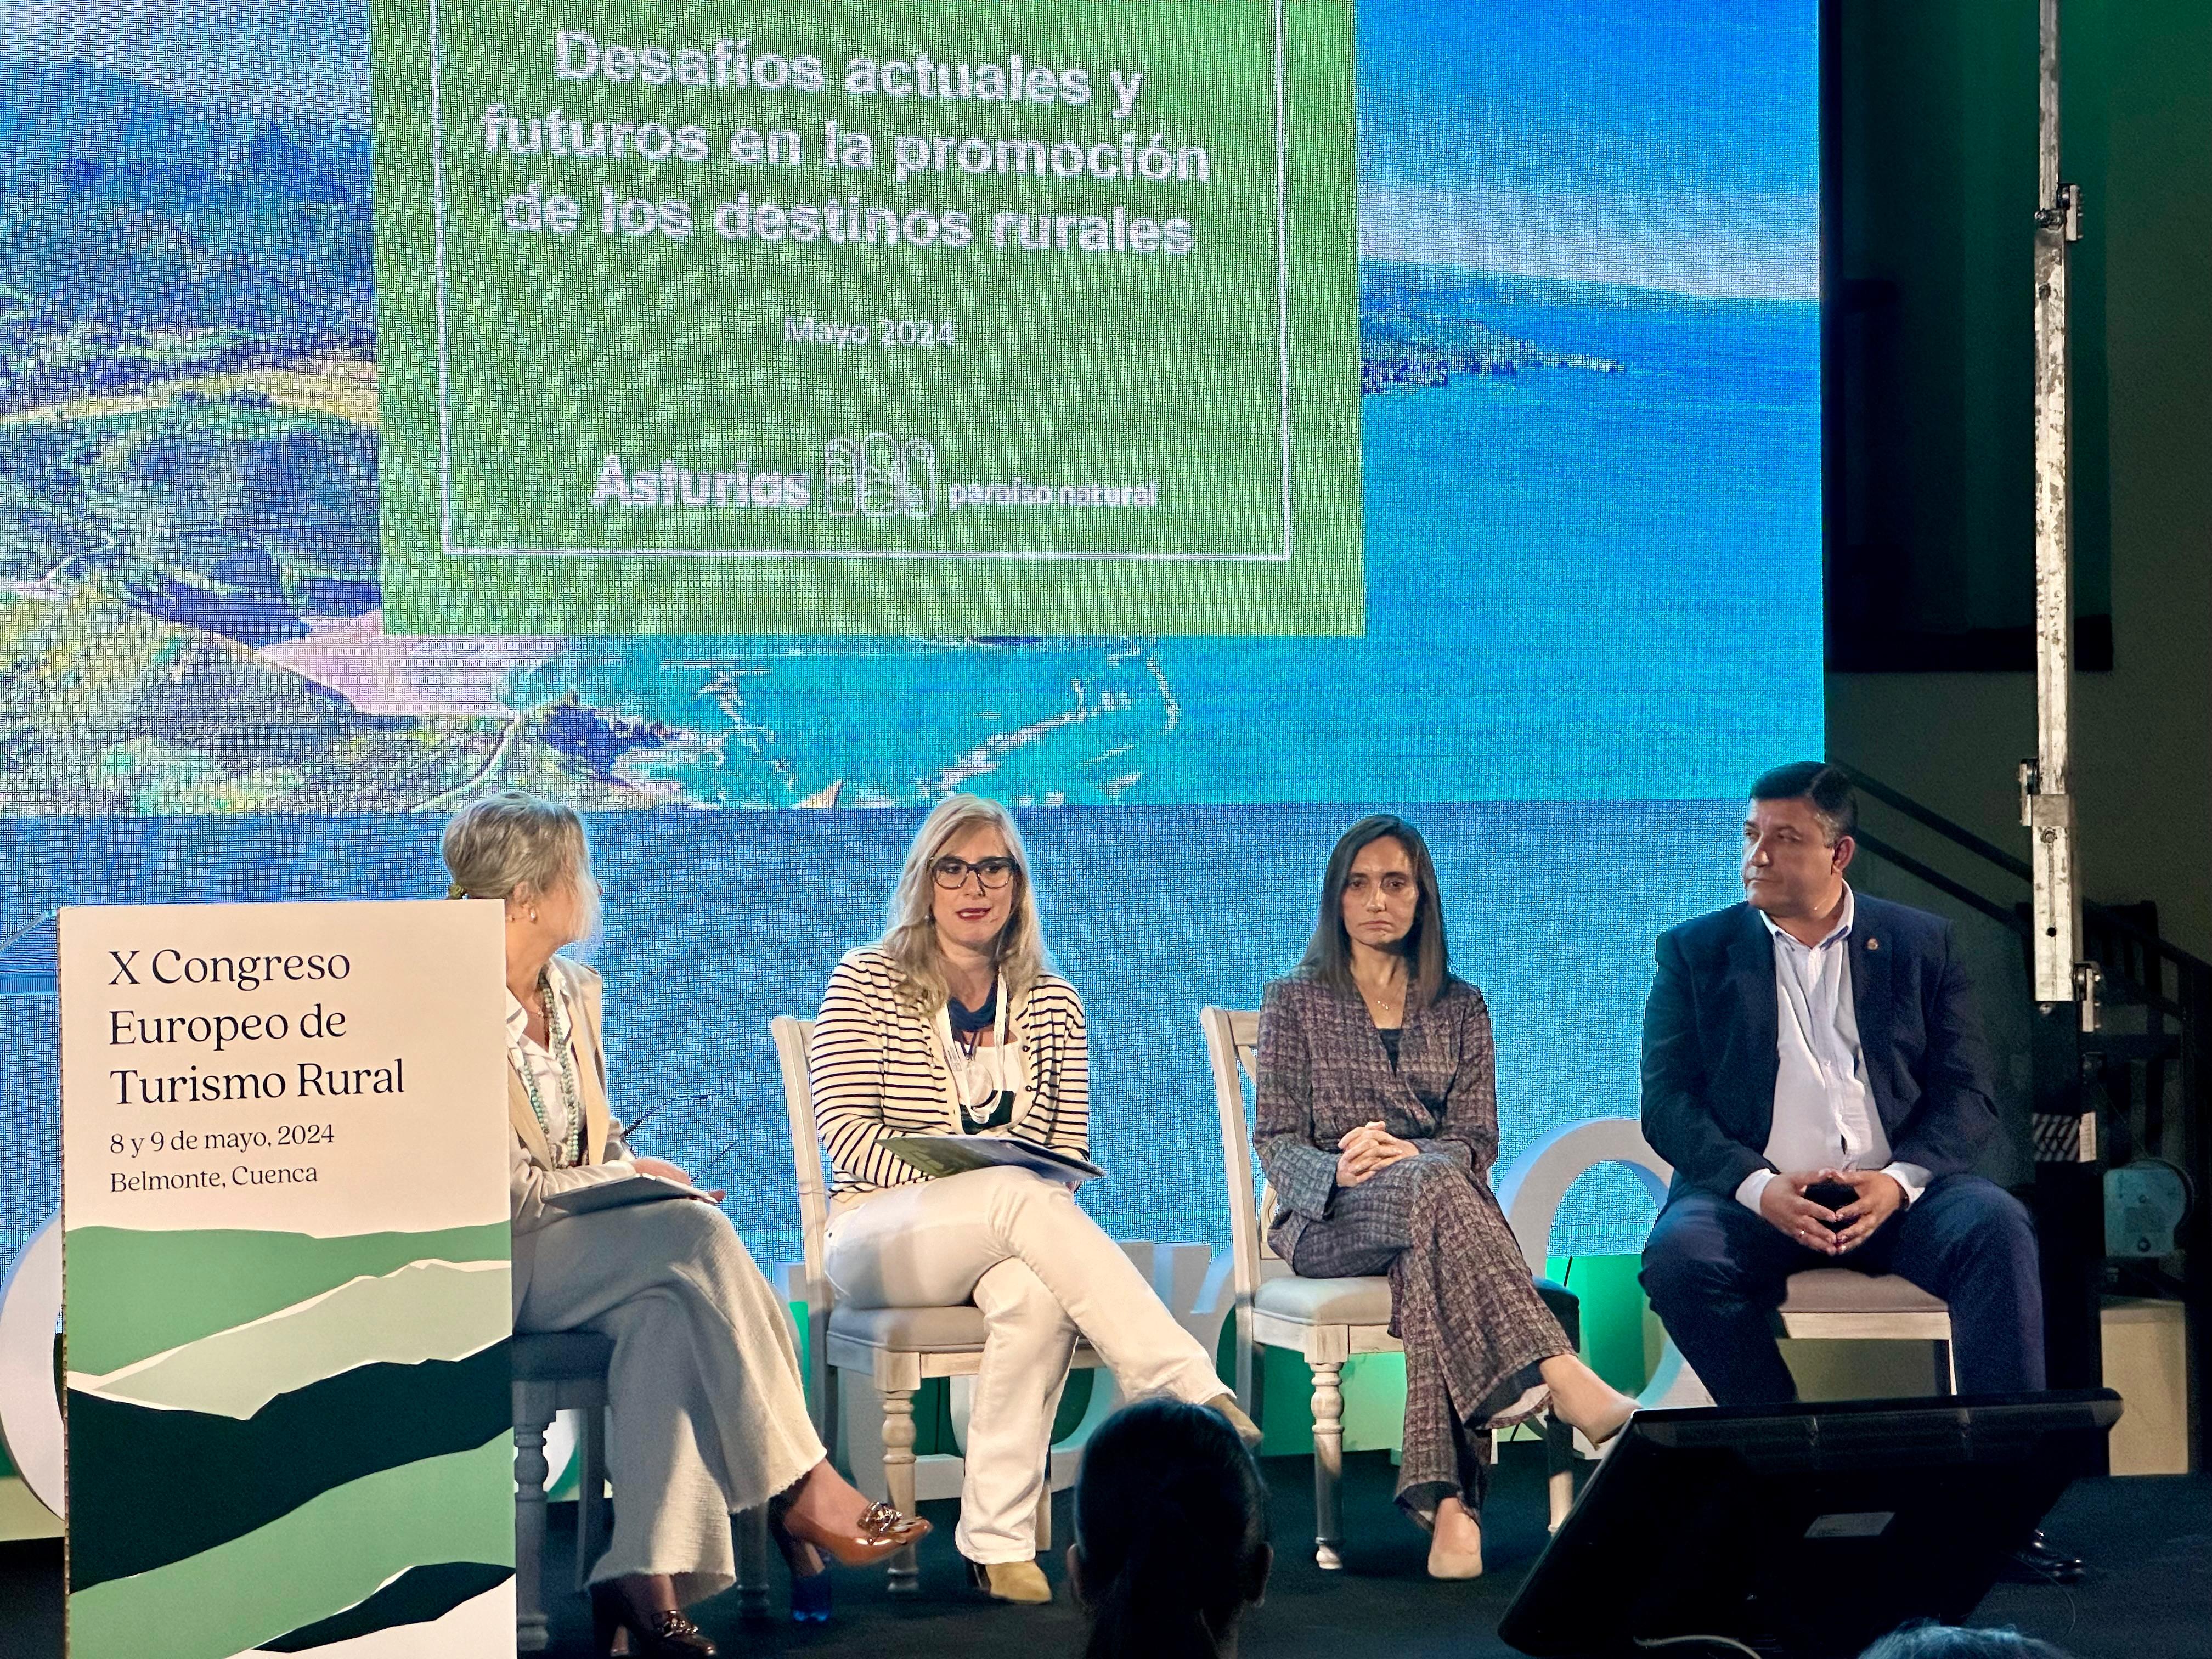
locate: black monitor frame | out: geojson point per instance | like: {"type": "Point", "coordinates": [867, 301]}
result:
{"type": "Point", "coordinates": [1804, 1531]}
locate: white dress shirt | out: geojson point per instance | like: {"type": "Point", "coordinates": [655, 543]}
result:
{"type": "Point", "coordinates": [541, 1066]}
{"type": "Point", "coordinates": [1825, 1115]}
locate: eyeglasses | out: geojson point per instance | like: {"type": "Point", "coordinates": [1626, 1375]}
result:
{"type": "Point", "coordinates": [952, 873]}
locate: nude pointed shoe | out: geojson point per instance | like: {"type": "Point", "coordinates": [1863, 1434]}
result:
{"type": "Point", "coordinates": [1448, 1562]}
{"type": "Point", "coordinates": [1605, 1435]}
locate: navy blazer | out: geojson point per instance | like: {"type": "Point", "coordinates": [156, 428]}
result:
{"type": "Point", "coordinates": [1710, 1059]}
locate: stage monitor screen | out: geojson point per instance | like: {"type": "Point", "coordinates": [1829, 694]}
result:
{"type": "Point", "coordinates": [1738, 1525]}
{"type": "Point", "coordinates": [1193, 425]}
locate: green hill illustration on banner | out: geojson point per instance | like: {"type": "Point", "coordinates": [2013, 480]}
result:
{"type": "Point", "coordinates": [902, 316]}
{"type": "Point", "coordinates": [365, 1379]}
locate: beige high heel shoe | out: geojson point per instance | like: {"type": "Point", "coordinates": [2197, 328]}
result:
{"type": "Point", "coordinates": [1445, 1562]}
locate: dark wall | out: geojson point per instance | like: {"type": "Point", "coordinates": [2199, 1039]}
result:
{"type": "Point", "coordinates": [1935, 183]}
{"type": "Point", "coordinates": [1932, 164]}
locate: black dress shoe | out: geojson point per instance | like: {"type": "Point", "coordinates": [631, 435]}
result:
{"type": "Point", "coordinates": [2036, 1563]}
{"type": "Point", "coordinates": [659, 1636]}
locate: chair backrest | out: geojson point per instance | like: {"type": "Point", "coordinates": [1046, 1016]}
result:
{"type": "Point", "coordinates": [791, 1038]}
{"type": "Point", "coordinates": [1232, 1041]}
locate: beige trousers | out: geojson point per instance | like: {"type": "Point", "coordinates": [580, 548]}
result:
{"type": "Point", "coordinates": [707, 1415]}
{"type": "Point", "coordinates": [1042, 1272]}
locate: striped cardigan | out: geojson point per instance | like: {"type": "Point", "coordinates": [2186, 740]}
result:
{"type": "Point", "coordinates": [876, 1071]}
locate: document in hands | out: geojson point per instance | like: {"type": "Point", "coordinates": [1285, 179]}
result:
{"type": "Point", "coordinates": [614, 1194]}
{"type": "Point", "coordinates": [945, 1155]}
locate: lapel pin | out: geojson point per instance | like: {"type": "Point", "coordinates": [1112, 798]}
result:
{"type": "Point", "coordinates": [1874, 945]}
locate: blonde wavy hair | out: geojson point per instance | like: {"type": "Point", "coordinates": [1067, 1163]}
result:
{"type": "Point", "coordinates": [910, 930]}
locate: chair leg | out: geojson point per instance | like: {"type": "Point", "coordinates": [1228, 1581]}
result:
{"type": "Point", "coordinates": [532, 1633]}
{"type": "Point", "coordinates": [593, 1524]}
{"type": "Point", "coordinates": [1328, 1464]}
{"type": "Point", "coordinates": [904, 1575]}
{"type": "Point", "coordinates": [1044, 1518]}
{"type": "Point", "coordinates": [1560, 1461]}
{"type": "Point", "coordinates": [751, 1529]}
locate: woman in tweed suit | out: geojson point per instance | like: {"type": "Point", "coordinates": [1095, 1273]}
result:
{"type": "Point", "coordinates": [1377, 1125]}
{"type": "Point", "coordinates": [951, 1023]}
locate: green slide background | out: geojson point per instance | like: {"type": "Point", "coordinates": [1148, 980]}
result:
{"type": "Point", "coordinates": [1068, 367]}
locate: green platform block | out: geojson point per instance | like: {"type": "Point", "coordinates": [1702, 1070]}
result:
{"type": "Point", "coordinates": [1613, 1315]}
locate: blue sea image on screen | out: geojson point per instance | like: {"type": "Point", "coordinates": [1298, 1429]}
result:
{"type": "Point", "coordinates": [1592, 579]}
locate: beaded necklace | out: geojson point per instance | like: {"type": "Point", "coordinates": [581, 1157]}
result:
{"type": "Point", "coordinates": [570, 1151]}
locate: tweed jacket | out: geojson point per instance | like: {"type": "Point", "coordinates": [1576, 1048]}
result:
{"type": "Point", "coordinates": [877, 1070]}
{"type": "Point", "coordinates": [1323, 1071]}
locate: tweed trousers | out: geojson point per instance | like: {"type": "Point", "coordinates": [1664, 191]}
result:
{"type": "Point", "coordinates": [1462, 1302]}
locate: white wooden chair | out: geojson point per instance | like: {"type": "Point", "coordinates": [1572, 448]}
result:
{"type": "Point", "coordinates": [895, 1348]}
{"type": "Point", "coordinates": [553, 1372]}
{"type": "Point", "coordinates": [1324, 1321]}
{"type": "Point", "coordinates": [1819, 1305]}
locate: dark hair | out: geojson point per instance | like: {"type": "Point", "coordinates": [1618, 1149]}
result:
{"type": "Point", "coordinates": [1171, 1532]}
{"type": "Point", "coordinates": [1835, 802]}
{"type": "Point", "coordinates": [1428, 955]}
{"type": "Point", "coordinates": [1930, 1641]}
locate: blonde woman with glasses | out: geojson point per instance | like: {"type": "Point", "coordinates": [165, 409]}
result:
{"type": "Point", "coordinates": [706, 1411]}
{"type": "Point", "coordinates": [952, 1024]}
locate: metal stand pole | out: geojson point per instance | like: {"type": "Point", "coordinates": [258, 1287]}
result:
{"type": "Point", "coordinates": [2070, 1200]}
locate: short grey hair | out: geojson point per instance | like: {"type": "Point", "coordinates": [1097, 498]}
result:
{"type": "Point", "coordinates": [505, 842]}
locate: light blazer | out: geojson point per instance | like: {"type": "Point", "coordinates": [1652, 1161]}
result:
{"type": "Point", "coordinates": [877, 1070]}
{"type": "Point", "coordinates": [1710, 1059]}
{"type": "Point", "coordinates": [1323, 1071]}
{"type": "Point", "coordinates": [532, 1178]}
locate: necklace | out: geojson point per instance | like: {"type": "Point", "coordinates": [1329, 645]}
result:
{"type": "Point", "coordinates": [1385, 1001]}
{"type": "Point", "coordinates": [570, 1151]}
{"type": "Point", "coordinates": [969, 1026]}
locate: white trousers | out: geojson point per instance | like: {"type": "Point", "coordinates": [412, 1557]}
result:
{"type": "Point", "coordinates": [1042, 1272]}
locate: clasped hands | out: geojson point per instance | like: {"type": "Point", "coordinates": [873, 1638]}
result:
{"type": "Point", "coordinates": [1788, 1210]}
{"type": "Point", "coordinates": [667, 1171]}
{"type": "Point", "coordinates": [1366, 1149]}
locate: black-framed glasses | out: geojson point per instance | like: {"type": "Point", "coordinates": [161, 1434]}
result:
{"type": "Point", "coordinates": [952, 873]}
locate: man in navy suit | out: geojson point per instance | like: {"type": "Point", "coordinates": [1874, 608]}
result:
{"type": "Point", "coordinates": [1814, 1037]}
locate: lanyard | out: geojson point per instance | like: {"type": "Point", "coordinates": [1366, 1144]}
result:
{"type": "Point", "coordinates": [1000, 1109]}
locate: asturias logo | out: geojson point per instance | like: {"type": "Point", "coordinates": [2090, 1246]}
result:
{"type": "Point", "coordinates": [879, 477]}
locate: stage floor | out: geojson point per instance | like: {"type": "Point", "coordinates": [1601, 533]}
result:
{"type": "Point", "coordinates": [2147, 1541]}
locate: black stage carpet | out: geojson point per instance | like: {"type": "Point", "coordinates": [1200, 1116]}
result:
{"type": "Point", "coordinates": [2148, 1541]}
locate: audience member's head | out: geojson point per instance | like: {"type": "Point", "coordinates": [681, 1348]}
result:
{"type": "Point", "coordinates": [1170, 1534]}
{"type": "Point", "coordinates": [1925, 1641]}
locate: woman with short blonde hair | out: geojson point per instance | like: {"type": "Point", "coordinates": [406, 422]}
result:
{"type": "Point", "coordinates": [708, 1416]}
{"type": "Point", "coordinates": [954, 1023]}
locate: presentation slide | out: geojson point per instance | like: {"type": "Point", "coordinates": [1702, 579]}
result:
{"type": "Point", "coordinates": [759, 332]}
{"type": "Point", "coordinates": [1194, 424]}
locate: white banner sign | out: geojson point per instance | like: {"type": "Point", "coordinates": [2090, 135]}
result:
{"type": "Point", "coordinates": [284, 1210]}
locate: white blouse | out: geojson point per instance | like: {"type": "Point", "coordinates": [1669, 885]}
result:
{"type": "Point", "coordinates": [540, 1068]}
